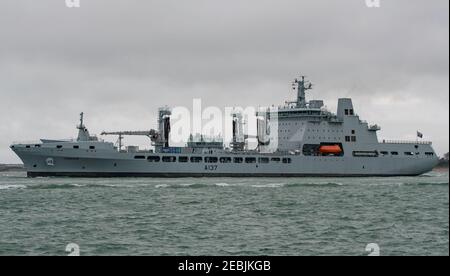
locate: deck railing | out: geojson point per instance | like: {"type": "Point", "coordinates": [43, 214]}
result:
{"type": "Point", "coordinates": [30, 142]}
{"type": "Point", "coordinates": [406, 142]}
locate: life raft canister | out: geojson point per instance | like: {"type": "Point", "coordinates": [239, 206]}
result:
{"type": "Point", "coordinates": [330, 149]}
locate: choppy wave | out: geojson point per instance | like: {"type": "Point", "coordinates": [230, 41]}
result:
{"type": "Point", "coordinates": [432, 184]}
{"type": "Point", "coordinates": [268, 185]}
{"type": "Point", "coordinates": [55, 186]}
{"type": "Point", "coordinates": [52, 186]}
{"type": "Point", "coordinates": [196, 185]}
{"type": "Point", "coordinates": [203, 216]}
{"type": "Point", "coordinates": [191, 186]}
{"type": "Point", "coordinates": [204, 184]}
{"type": "Point", "coordinates": [10, 187]}
{"type": "Point", "coordinates": [248, 185]}
{"type": "Point", "coordinates": [327, 184]}
{"type": "Point", "coordinates": [222, 184]}
{"type": "Point", "coordinates": [162, 186]}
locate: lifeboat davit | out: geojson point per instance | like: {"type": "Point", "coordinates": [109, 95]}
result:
{"type": "Point", "coordinates": [330, 149]}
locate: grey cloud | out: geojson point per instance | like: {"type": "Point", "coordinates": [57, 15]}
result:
{"type": "Point", "coordinates": [119, 60]}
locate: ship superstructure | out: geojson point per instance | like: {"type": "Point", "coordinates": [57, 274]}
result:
{"type": "Point", "coordinates": [301, 138]}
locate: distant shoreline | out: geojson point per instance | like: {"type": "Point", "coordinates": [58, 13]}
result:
{"type": "Point", "coordinates": [441, 168]}
{"type": "Point", "coordinates": [443, 164]}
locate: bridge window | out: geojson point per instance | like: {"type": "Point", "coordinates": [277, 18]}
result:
{"type": "Point", "coordinates": [276, 160]}
{"type": "Point", "coordinates": [196, 159]}
{"type": "Point", "coordinates": [409, 153]}
{"type": "Point", "coordinates": [225, 159]}
{"type": "Point", "coordinates": [76, 147]}
{"type": "Point", "coordinates": [59, 147]}
{"type": "Point", "coordinates": [211, 159]}
{"type": "Point", "coordinates": [429, 153]}
{"type": "Point", "coordinates": [139, 157]}
{"type": "Point", "coordinates": [346, 111]}
{"type": "Point", "coordinates": [264, 160]}
{"type": "Point", "coordinates": [92, 147]}
{"type": "Point", "coordinates": [153, 159]}
{"type": "Point", "coordinates": [37, 146]}
{"type": "Point", "coordinates": [183, 159]}
{"type": "Point", "coordinates": [287, 160]}
{"type": "Point", "coordinates": [365, 153]}
{"type": "Point", "coordinates": [347, 138]}
{"type": "Point", "coordinates": [169, 159]}
{"type": "Point", "coordinates": [353, 138]}
{"type": "Point", "coordinates": [238, 160]}
{"type": "Point", "coordinates": [351, 112]}
{"type": "Point", "coordinates": [250, 160]}
{"type": "Point", "coordinates": [394, 152]}
{"type": "Point", "coordinates": [384, 153]}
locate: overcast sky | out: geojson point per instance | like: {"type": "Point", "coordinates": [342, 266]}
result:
{"type": "Point", "coordinates": [119, 60]}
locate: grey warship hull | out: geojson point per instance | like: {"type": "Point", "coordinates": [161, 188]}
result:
{"type": "Point", "coordinates": [300, 139]}
{"type": "Point", "coordinates": [47, 161]}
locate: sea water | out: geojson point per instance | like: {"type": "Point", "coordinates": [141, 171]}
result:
{"type": "Point", "coordinates": [224, 216]}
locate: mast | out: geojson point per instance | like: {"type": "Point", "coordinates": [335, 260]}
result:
{"type": "Point", "coordinates": [83, 133]}
{"type": "Point", "coordinates": [302, 86]}
{"type": "Point", "coordinates": [81, 126]}
{"type": "Point", "coordinates": [164, 127]}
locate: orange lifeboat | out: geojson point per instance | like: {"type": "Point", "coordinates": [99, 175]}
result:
{"type": "Point", "coordinates": [330, 149]}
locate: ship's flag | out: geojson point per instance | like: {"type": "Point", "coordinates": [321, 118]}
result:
{"type": "Point", "coordinates": [419, 134]}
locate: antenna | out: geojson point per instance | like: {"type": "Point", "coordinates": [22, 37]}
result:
{"type": "Point", "coordinates": [302, 86]}
{"type": "Point", "coordinates": [81, 126]}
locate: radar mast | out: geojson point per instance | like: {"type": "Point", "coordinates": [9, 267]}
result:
{"type": "Point", "coordinates": [83, 133]}
{"type": "Point", "coordinates": [302, 86]}
{"type": "Point", "coordinates": [81, 126]}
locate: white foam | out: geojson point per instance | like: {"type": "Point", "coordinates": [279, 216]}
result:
{"type": "Point", "coordinates": [269, 185]}
{"type": "Point", "coordinates": [8, 187]}
{"type": "Point", "coordinates": [222, 184]}
{"type": "Point", "coordinates": [161, 186]}
{"type": "Point", "coordinates": [78, 185]}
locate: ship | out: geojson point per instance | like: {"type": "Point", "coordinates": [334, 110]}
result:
{"type": "Point", "coordinates": [297, 139]}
